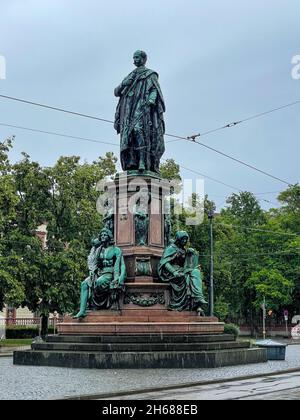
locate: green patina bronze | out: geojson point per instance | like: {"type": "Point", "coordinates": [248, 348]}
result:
{"type": "Point", "coordinates": [145, 301]}
{"type": "Point", "coordinates": [143, 266]}
{"type": "Point", "coordinates": [139, 118]}
{"type": "Point", "coordinates": [141, 217]}
{"type": "Point", "coordinates": [107, 275]}
{"type": "Point", "coordinates": [179, 266]}
{"type": "Point", "coordinates": [141, 221]}
{"type": "Point", "coordinates": [108, 218]}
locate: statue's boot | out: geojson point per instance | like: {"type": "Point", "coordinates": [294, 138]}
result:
{"type": "Point", "coordinates": [201, 302]}
{"type": "Point", "coordinates": [80, 315]}
{"type": "Point", "coordinates": [200, 311]}
{"type": "Point", "coordinates": [83, 301]}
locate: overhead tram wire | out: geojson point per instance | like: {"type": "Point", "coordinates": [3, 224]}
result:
{"type": "Point", "coordinates": [230, 257]}
{"type": "Point", "coordinates": [192, 139]}
{"type": "Point", "coordinates": [234, 254]}
{"type": "Point", "coordinates": [53, 108]}
{"type": "Point", "coordinates": [54, 133]}
{"type": "Point", "coordinates": [34, 130]}
{"type": "Point", "coordinates": [258, 230]}
{"type": "Point", "coordinates": [235, 123]}
{"type": "Point", "coordinates": [189, 138]}
{"type": "Point", "coordinates": [240, 162]}
{"type": "Point", "coordinates": [210, 178]}
{"type": "Point", "coordinates": [66, 111]}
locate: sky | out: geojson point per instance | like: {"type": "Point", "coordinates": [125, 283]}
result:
{"type": "Point", "coordinates": [218, 61]}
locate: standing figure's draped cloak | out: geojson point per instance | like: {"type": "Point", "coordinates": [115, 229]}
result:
{"type": "Point", "coordinates": [136, 117]}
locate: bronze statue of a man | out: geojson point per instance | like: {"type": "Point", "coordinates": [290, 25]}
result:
{"type": "Point", "coordinates": [139, 118]}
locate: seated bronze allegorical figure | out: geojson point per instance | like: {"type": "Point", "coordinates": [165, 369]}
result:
{"type": "Point", "coordinates": [179, 266]}
{"type": "Point", "coordinates": [107, 275]}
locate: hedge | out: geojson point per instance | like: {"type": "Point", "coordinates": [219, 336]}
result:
{"type": "Point", "coordinates": [232, 329]}
{"type": "Point", "coordinates": [19, 332]}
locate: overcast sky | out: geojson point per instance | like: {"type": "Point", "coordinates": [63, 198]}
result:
{"type": "Point", "coordinates": [218, 60]}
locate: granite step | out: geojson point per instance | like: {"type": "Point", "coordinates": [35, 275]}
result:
{"type": "Point", "coordinates": [140, 318]}
{"type": "Point", "coordinates": [138, 328]}
{"type": "Point", "coordinates": [153, 338]}
{"type": "Point", "coordinates": [138, 347]}
{"type": "Point", "coordinates": [141, 360]}
{"type": "Point", "coordinates": [147, 315]}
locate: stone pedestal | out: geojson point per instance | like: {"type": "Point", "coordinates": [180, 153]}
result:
{"type": "Point", "coordinates": [144, 304]}
{"type": "Point", "coordinates": [143, 333]}
{"type": "Point", "coordinates": [129, 193]}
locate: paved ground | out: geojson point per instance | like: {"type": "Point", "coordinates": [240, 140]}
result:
{"type": "Point", "coordinates": [290, 395]}
{"type": "Point", "coordinates": [26, 382]}
{"type": "Point", "coordinates": [277, 387]}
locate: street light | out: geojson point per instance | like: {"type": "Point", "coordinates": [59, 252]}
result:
{"type": "Point", "coordinates": [211, 280]}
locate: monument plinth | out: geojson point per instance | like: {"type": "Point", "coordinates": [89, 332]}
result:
{"type": "Point", "coordinates": [140, 232]}
{"type": "Point", "coordinates": [139, 226]}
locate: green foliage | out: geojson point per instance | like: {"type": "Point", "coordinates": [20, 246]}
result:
{"type": "Point", "coordinates": [244, 208]}
{"type": "Point", "coordinates": [232, 329]}
{"type": "Point", "coordinates": [16, 343]}
{"type": "Point", "coordinates": [221, 308]}
{"type": "Point", "coordinates": [64, 197]}
{"type": "Point", "coordinates": [271, 285]}
{"type": "Point", "coordinates": [170, 170]}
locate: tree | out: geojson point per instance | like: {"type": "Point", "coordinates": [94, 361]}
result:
{"type": "Point", "coordinates": [64, 197]}
{"type": "Point", "coordinates": [11, 288]}
{"type": "Point", "coordinates": [170, 170]}
{"type": "Point", "coordinates": [244, 209]}
{"type": "Point", "coordinates": [272, 286]}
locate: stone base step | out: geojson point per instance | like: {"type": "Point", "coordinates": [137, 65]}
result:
{"type": "Point", "coordinates": [135, 339]}
{"type": "Point", "coordinates": [140, 318]}
{"type": "Point", "coordinates": [141, 360]}
{"type": "Point", "coordinates": [138, 315]}
{"type": "Point", "coordinates": [137, 347]}
{"type": "Point", "coordinates": [135, 328]}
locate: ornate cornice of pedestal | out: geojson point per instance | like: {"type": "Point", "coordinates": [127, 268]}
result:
{"type": "Point", "coordinates": [155, 251]}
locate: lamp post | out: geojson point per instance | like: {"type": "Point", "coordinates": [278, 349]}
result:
{"type": "Point", "coordinates": [264, 318]}
{"type": "Point", "coordinates": [211, 280]}
{"type": "Point", "coordinates": [55, 316]}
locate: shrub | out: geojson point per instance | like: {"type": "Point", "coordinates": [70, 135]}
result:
{"type": "Point", "coordinates": [221, 308]}
{"type": "Point", "coordinates": [232, 329]}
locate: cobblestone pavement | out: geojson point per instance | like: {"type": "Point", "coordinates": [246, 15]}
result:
{"type": "Point", "coordinates": [267, 388]}
{"type": "Point", "coordinates": [27, 382]}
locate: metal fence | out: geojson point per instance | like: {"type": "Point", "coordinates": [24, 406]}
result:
{"type": "Point", "coordinates": [27, 322]}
